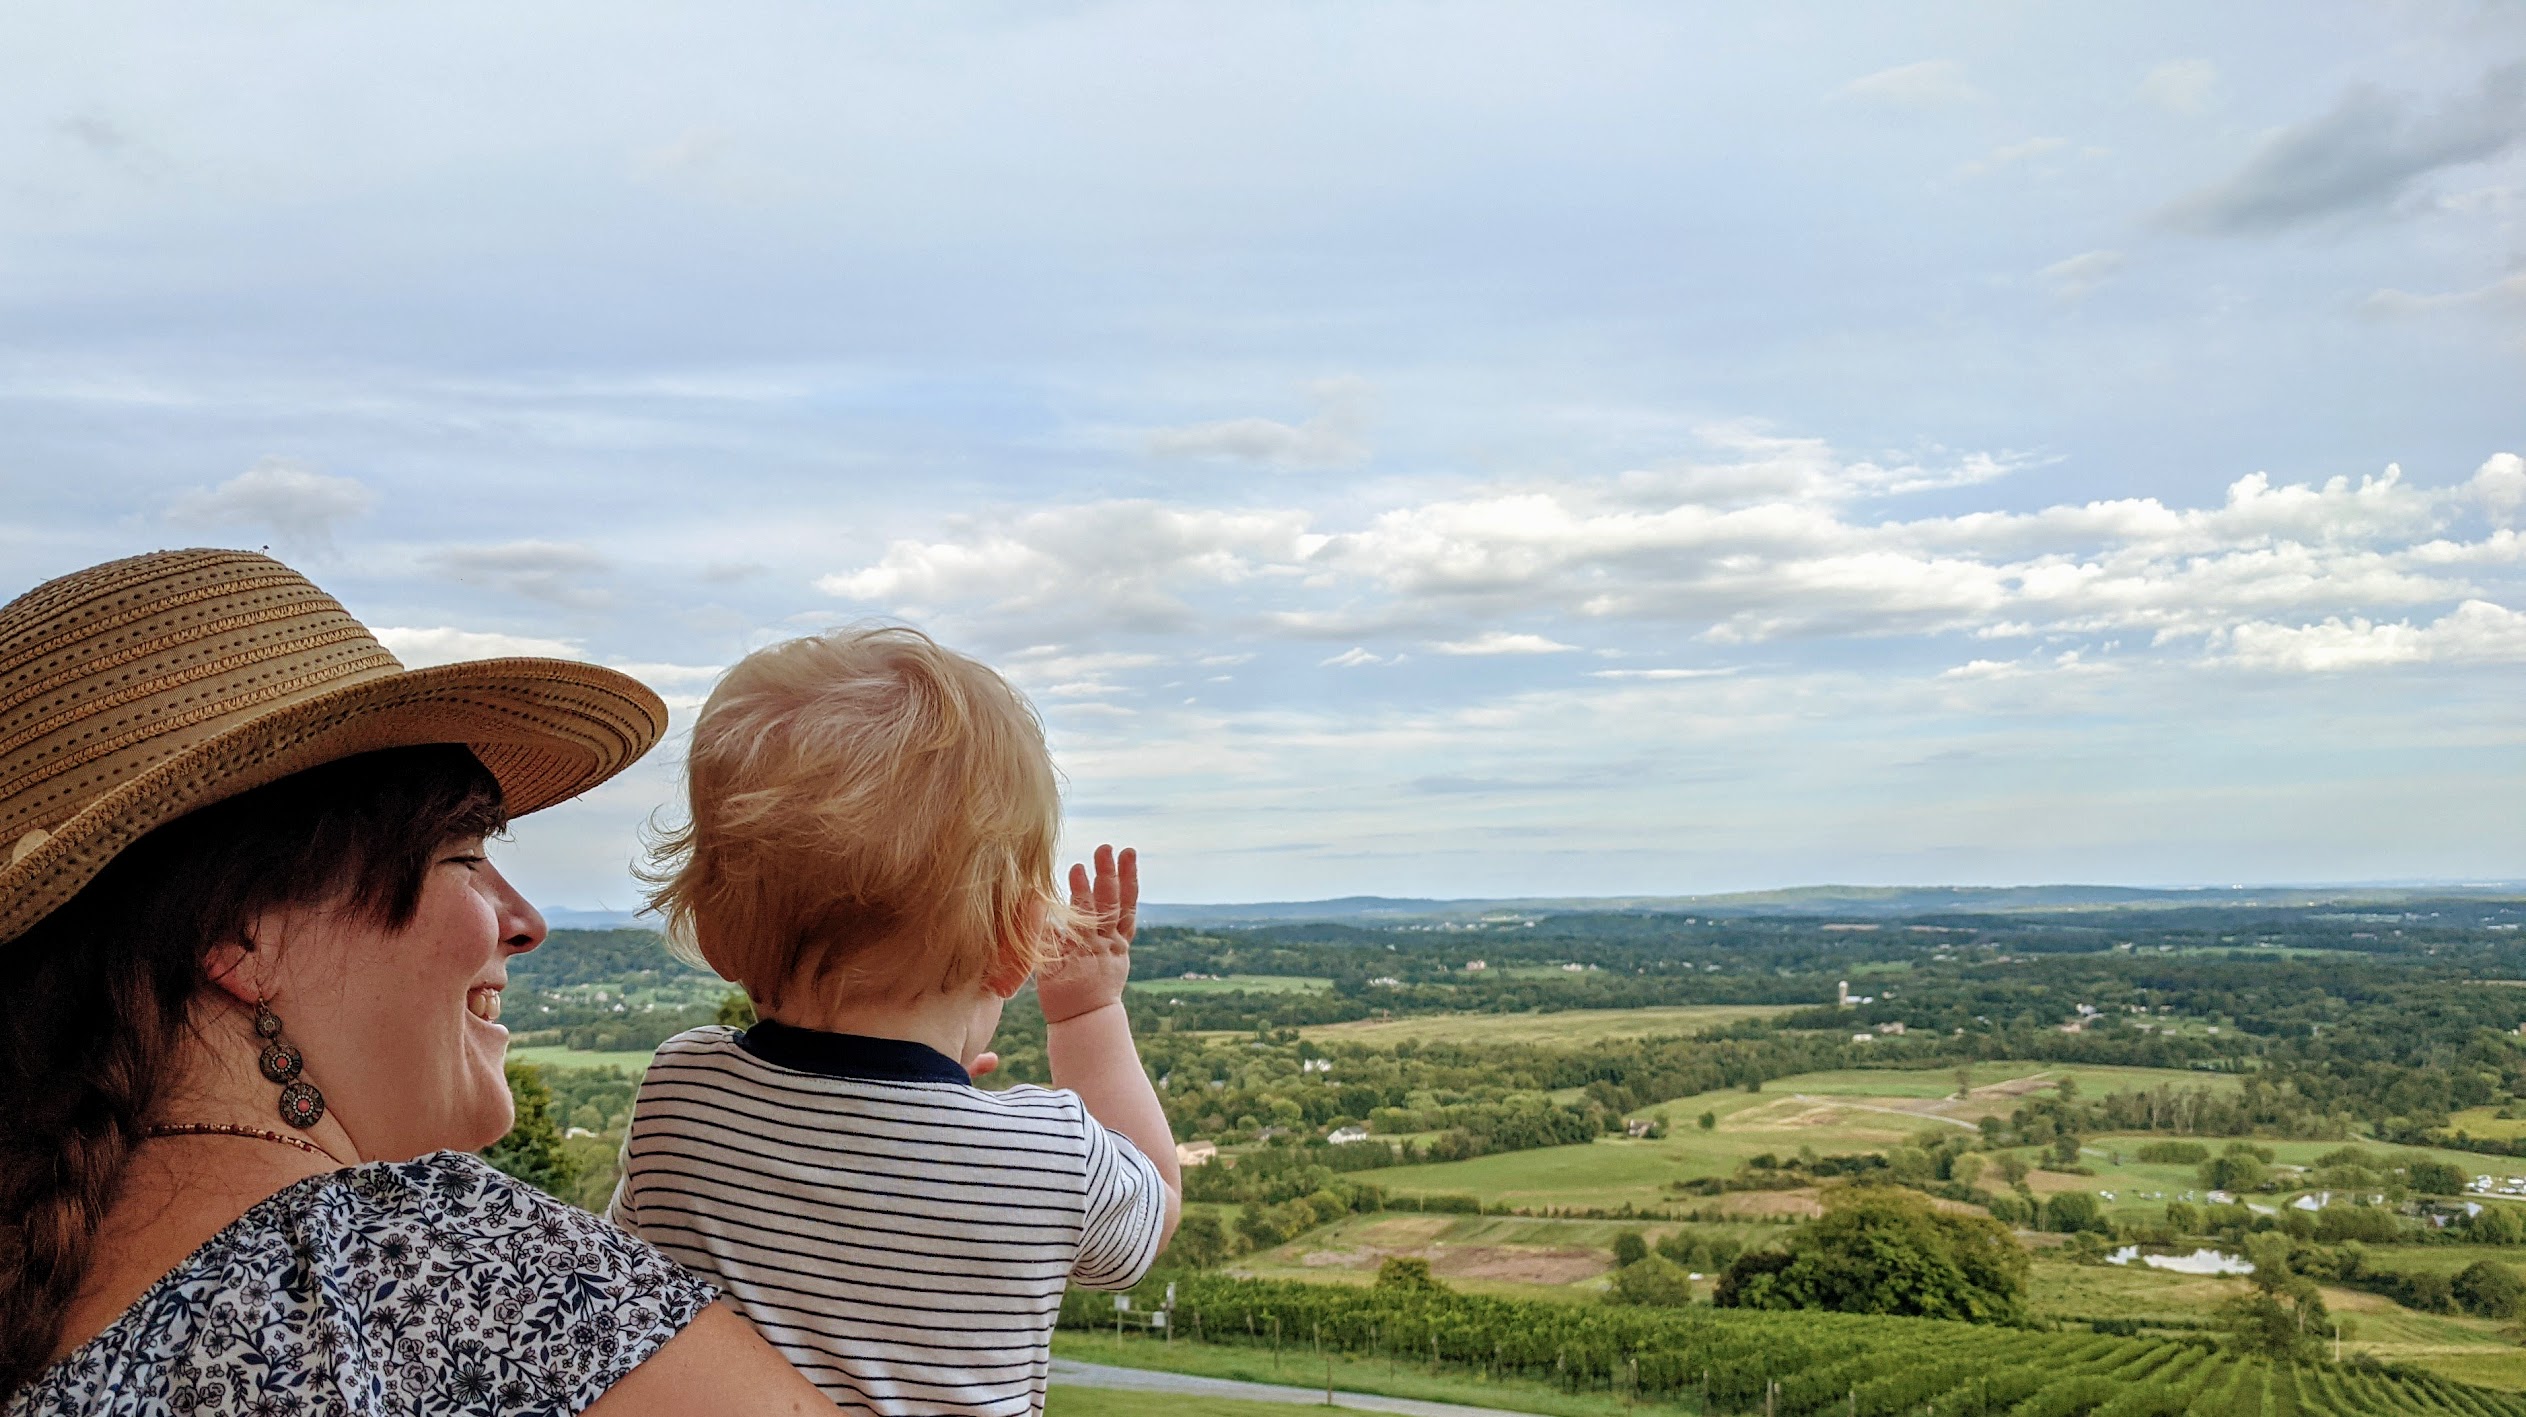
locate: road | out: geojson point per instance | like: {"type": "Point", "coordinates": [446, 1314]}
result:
{"type": "Point", "coordinates": [1069, 1373]}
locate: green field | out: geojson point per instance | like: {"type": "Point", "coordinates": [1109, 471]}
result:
{"type": "Point", "coordinates": [1564, 1027]}
{"type": "Point", "coordinates": [553, 1055]}
{"type": "Point", "coordinates": [2486, 1122]}
{"type": "Point", "coordinates": [1233, 984]}
{"type": "Point", "coordinates": [1850, 1110]}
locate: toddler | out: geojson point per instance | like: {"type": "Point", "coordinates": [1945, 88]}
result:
{"type": "Point", "coordinates": [870, 854]}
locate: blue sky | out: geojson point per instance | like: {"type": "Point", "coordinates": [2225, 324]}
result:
{"type": "Point", "coordinates": [1403, 448]}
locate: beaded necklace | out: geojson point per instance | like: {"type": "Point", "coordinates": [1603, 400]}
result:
{"type": "Point", "coordinates": [232, 1129]}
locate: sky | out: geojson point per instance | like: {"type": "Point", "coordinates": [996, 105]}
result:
{"type": "Point", "coordinates": [1413, 449]}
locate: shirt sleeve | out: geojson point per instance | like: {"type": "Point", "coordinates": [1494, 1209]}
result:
{"type": "Point", "coordinates": [1126, 1212]}
{"type": "Point", "coordinates": [550, 1300]}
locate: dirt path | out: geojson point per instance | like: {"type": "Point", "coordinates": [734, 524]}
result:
{"type": "Point", "coordinates": [1071, 1373]}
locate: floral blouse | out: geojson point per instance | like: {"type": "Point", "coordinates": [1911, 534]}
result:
{"type": "Point", "coordinates": [430, 1286]}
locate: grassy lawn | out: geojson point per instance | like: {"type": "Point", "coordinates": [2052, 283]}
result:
{"type": "Point", "coordinates": [1295, 1366]}
{"type": "Point", "coordinates": [1233, 984]}
{"type": "Point", "coordinates": [1098, 1402]}
{"type": "Point", "coordinates": [1565, 1026]}
{"type": "Point", "coordinates": [553, 1055]}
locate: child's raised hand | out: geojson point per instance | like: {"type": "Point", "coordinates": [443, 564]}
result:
{"type": "Point", "coordinates": [1095, 964]}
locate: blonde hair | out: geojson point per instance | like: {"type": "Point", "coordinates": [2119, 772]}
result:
{"type": "Point", "coordinates": [863, 803]}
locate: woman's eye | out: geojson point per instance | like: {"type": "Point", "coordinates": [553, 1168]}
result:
{"type": "Point", "coordinates": [468, 862]}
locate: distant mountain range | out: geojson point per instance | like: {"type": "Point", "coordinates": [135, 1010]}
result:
{"type": "Point", "coordinates": [1872, 901]}
{"type": "Point", "coordinates": [1864, 901]}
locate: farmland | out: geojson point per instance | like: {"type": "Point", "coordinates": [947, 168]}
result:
{"type": "Point", "coordinates": [1692, 1086]}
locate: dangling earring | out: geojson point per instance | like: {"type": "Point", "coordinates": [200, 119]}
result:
{"type": "Point", "coordinates": [302, 1106]}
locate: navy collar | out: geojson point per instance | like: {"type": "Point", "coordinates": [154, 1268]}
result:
{"type": "Point", "coordinates": [849, 1055]}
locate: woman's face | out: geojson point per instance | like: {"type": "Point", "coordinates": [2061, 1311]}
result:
{"type": "Point", "coordinates": [399, 1027]}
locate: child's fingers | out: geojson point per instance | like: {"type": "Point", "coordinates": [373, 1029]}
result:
{"type": "Point", "coordinates": [1079, 897]}
{"type": "Point", "coordinates": [983, 1065]}
{"type": "Point", "coordinates": [1109, 898]}
{"type": "Point", "coordinates": [1129, 916]}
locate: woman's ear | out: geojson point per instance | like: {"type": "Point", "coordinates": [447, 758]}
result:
{"type": "Point", "coordinates": [242, 968]}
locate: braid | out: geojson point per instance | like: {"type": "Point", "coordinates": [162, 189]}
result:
{"type": "Point", "coordinates": [90, 1037]}
{"type": "Point", "coordinates": [82, 1092]}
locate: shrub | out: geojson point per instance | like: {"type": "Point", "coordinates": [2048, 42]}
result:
{"type": "Point", "coordinates": [2074, 1212]}
{"type": "Point", "coordinates": [1400, 1273]}
{"type": "Point", "coordinates": [1200, 1240]}
{"type": "Point", "coordinates": [2435, 1178]}
{"type": "Point", "coordinates": [1630, 1248]}
{"type": "Point", "coordinates": [2173, 1153]}
{"type": "Point", "coordinates": [2491, 1290]}
{"type": "Point", "coordinates": [1653, 1282]}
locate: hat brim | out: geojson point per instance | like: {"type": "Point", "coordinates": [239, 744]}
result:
{"type": "Point", "coordinates": [548, 729]}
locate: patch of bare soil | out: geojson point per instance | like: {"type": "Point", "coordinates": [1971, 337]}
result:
{"type": "Point", "coordinates": [1518, 1264]}
{"type": "Point", "coordinates": [1340, 1259]}
{"type": "Point", "coordinates": [2051, 1183]}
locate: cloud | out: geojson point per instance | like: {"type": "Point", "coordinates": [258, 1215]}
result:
{"type": "Point", "coordinates": [2361, 155]}
{"type": "Point", "coordinates": [300, 506]}
{"type": "Point", "coordinates": [2506, 291]}
{"type": "Point", "coordinates": [1056, 672]}
{"type": "Point", "coordinates": [1662, 675]}
{"type": "Point", "coordinates": [1335, 437]}
{"type": "Point", "coordinates": [2080, 275]}
{"type": "Point", "coordinates": [2009, 155]}
{"type": "Point", "coordinates": [420, 647]}
{"type": "Point", "coordinates": [1932, 83]}
{"type": "Point", "coordinates": [1773, 540]}
{"type": "Point", "coordinates": [113, 144]}
{"type": "Point", "coordinates": [1503, 642]}
{"type": "Point", "coordinates": [1099, 567]}
{"type": "Point", "coordinates": [2181, 86]}
{"type": "Point", "coordinates": [555, 572]}
{"type": "Point", "coordinates": [2499, 485]}
{"type": "Point", "coordinates": [2476, 632]}
{"type": "Point", "coordinates": [1746, 465]}
{"type": "Point", "coordinates": [682, 686]}
{"type": "Point", "coordinates": [1354, 657]}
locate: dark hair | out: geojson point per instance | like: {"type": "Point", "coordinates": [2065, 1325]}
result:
{"type": "Point", "coordinates": [91, 1025]}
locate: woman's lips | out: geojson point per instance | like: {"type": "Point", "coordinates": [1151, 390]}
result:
{"type": "Point", "coordinates": [483, 1002]}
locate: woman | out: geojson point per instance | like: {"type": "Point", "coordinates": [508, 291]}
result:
{"type": "Point", "coordinates": [255, 955]}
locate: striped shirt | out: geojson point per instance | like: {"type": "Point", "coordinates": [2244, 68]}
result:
{"type": "Point", "coordinates": [900, 1235]}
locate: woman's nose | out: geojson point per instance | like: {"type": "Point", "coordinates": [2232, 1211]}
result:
{"type": "Point", "coordinates": [522, 926]}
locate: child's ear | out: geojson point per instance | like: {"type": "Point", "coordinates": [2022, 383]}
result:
{"type": "Point", "coordinates": [1008, 971]}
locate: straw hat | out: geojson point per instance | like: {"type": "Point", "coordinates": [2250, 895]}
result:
{"type": "Point", "coordinates": [134, 692]}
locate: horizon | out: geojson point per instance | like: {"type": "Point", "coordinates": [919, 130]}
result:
{"type": "Point", "coordinates": [1565, 448]}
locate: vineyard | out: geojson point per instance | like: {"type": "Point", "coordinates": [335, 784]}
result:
{"type": "Point", "coordinates": [1791, 1364]}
